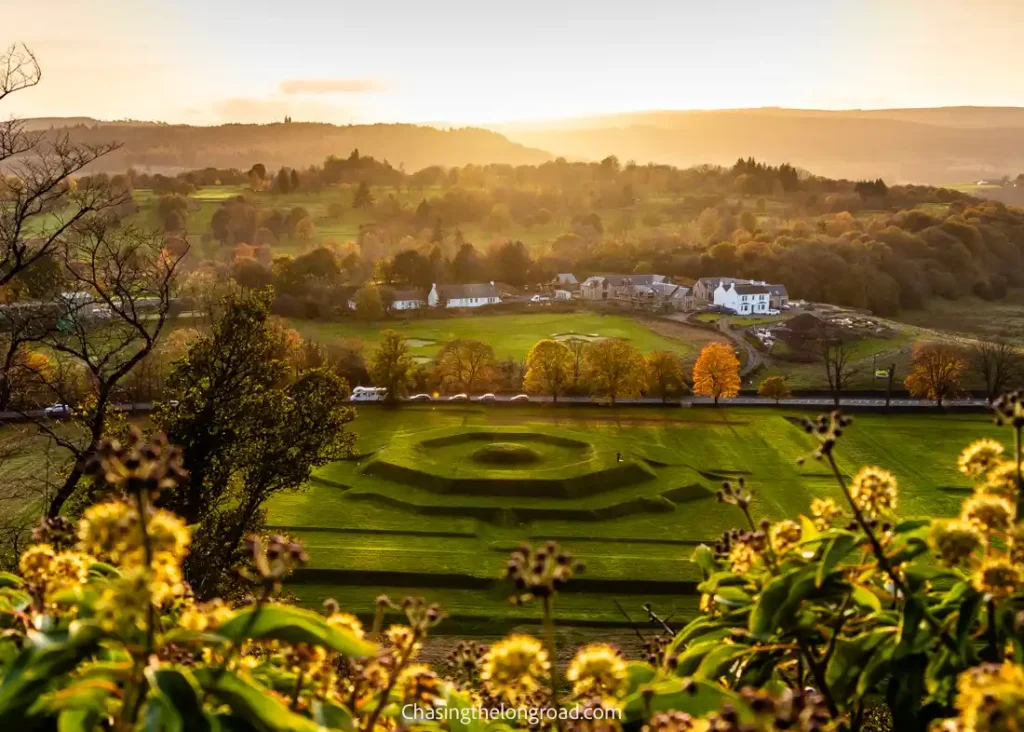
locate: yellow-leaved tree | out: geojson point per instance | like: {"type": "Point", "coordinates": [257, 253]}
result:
{"type": "Point", "coordinates": [936, 371]}
{"type": "Point", "coordinates": [717, 372]}
{"type": "Point", "coordinates": [614, 369]}
{"type": "Point", "coordinates": [548, 368]}
{"type": "Point", "coordinates": [664, 375]}
{"type": "Point", "coordinates": [774, 387]}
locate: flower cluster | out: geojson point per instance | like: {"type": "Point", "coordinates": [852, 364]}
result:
{"type": "Point", "coordinates": [597, 670]}
{"type": "Point", "coordinates": [541, 573]}
{"type": "Point", "coordinates": [989, 697]}
{"type": "Point", "coordinates": [516, 669]}
{"type": "Point", "coordinates": [874, 491]}
{"type": "Point", "coordinates": [825, 511]}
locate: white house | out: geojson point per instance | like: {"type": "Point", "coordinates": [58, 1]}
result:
{"type": "Point", "coordinates": [743, 298]}
{"type": "Point", "coordinates": [408, 300]}
{"type": "Point", "coordinates": [463, 296]}
{"type": "Point", "coordinates": [563, 295]}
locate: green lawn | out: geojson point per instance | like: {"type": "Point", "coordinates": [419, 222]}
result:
{"type": "Point", "coordinates": [511, 335]}
{"type": "Point", "coordinates": [369, 534]}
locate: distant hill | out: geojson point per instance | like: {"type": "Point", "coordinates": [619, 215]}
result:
{"type": "Point", "coordinates": [939, 146]}
{"type": "Point", "coordinates": [169, 148]}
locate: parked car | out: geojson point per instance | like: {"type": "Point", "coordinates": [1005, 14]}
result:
{"type": "Point", "coordinates": [520, 398]}
{"type": "Point", "coordinates": [774, 312]}
{"type": "Point", "coordinates": [486, 397]}
{"type": "Point", "coordinates": [459, 398]}
{"type": "Point", "coordinates": [539, 298]}
{"type": "Point", "coordinates": [57, 410]}
{"type": "Point", "coordinates": [420, 398]}
{"type": "Point", "coordinates": [368, 394]}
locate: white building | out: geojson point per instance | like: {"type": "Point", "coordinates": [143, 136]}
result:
{"type": "Point", "coordinates": [743, 298]}
{"type": "Point", "coordinates": [563, 295]}
{"type": "Point", "coordinates": [408, 300]}
{"type": "Point", "coordinates": [463, 296]}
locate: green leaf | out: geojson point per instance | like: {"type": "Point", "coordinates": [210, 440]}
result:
{"type": "Point", "coordinates": [875, 670]}
{"type": "Point", "coordinates": [967, 617]}
{"type": "Point", "coordinates": [704, 557]}
{"type": "Point", "coordinates": [690, 659]}
{"type": "Point", "coordinates": [10, 580]}
{"type": "Point", "coordinates": [732, 596]}
{"type": "Point", "coordinates": [849, 658]}
{"type": "Point", "coordinates": [178, 692]}
{"type": "Point", "coordinates": [457, 700]}
{"type": "Point", "coordinates": [720, 660]}
{"type": "Point", "coordinates": [637, 674]}
{"type": "Point", "coordinates": [700, 626]}
{"type": "Point", "coordinates": [77, 720]}
{"type": "Point", "coordinates": [835, 551]}
{"type": "Point", "coordinates": [294, 625]}
{"type": "Point", "coordinates": [779, 599]}
{"type": "Point", "coordinates": [808, 531]}
{"type": "Point", "coordinates": [692, 696]}
{"type": "Point", "coordinates": [252, 703]}
{"type": "Point", "coordinates": [335, 716]}
{"type": "Point", "coordinates": [865, 598]}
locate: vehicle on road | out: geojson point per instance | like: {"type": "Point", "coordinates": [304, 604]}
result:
{"type": "Point", "coordinates": [57, 410]}
{"type": "Point", "coordinates": [540, 298]}
{"type": "Point", "coordinates": [520, 398]}
{"type": "Point", "coordinates": [420, 398]}
{"type": "Point", "coordinates": [368, 394]}
{"type": "Point", "coordinates": [459, 398]}
{"type": "Point", "coordinates": [486, 397]}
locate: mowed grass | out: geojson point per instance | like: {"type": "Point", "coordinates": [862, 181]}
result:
{"type": "Point", "coordinates": [510, 335]}
{"type": "Point", "coordinates": [362, 548]}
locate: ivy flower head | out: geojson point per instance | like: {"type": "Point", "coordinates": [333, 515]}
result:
{"type": "Point", "coordinates": [676, 722]}
{"type": "Point", "coordinates": [168, 534]}
{"type": "Point", "coordinates": [346, 621]}
{"type": "Point", "coordinates": [979, 457]}
{"type": "Point", "coordinates": [137, 465]}
{"type": "Point", "coordinates": [597, 670]}
{"type": "Point", "coordinates": [110, 531]}
{"type": "Point", "coordinates": [204, 616]}
{"type": "Point", "coordinates": [418, 684]}
{"type": "Point", "coordinates": [50, 571]}
{"type": "Point", "coordinates": [784, 535]}
{"type": "Point", "coordinates": [824, 511]}
{"type": "Point", "coordinates": [874, 491]}
{"type": "Point", "coordinates": [515, 668]}
{"type": "Point", "coordinates": [990, 698]}
{"type": "Point", "coordinates": [997, 577]}
{"type": "Point", "coordinates": [955, 541]}
{"type": "Point", "coordinates": [988, 512]}
{"type": "Point", "coordinates": [1001, 480]}
{"type": "Point", "coordinates": [742, 557]}
{"type": "Point", "coordinates": [403, 640]}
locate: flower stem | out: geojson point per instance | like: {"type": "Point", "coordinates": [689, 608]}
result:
{"type": "Point", "coordinates": [549, 635]}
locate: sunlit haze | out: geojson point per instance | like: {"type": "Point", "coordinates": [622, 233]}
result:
{"type": "Point", "coordinates": [466, 62]}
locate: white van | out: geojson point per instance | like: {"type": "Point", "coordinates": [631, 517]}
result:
{"type": "Point", "coordinates": [368, 394]}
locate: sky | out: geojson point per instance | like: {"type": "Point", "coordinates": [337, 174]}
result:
{"type": "Point", "coordinates": [483, 61]}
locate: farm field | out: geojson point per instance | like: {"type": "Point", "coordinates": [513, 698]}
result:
{"type": "Point", "coordinates": [427, 507]}
{"type": "Point", "coordinates": [512, 335]}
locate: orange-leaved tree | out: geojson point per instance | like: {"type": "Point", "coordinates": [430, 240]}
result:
{"type": "Point", "coordinates": [717, 372]}
{"type": "Point", "coordinates": [936, 371]}
{"type": "Point", "coordinates": [548, 368]}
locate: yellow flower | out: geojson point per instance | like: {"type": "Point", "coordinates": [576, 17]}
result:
{"type": "Point", "coordinates": [168, 534]}
{"type": "Point", "coordinates": [110, 531]}
{"type": "Point", "coordinates": [69, 569]}
{"type": "Point", "coordinates": [418, 684]}
{"type": "Point", "coordinates": [346, 621]}
{"type": "Point", "coordinates": [1001, 480]}
{"type": "Point", "coordinates": [992, 513]}
{"type": "Point", "coordinates": [874, 491]}
{"type": "Point", "coordinates": [597, 670]}
{"type": "Point", "coordinates": [122, 606]}
{"type": "Point", "coordinates": [707, 603]}
{"type": "Point", "coordinates": [997, 577]}
{"type": "Point", "coordinates": [784, 535]}
{"type": "Point", "coordinates": [206, 616]}
{"type": "Point", "coordinates": [515, 668]}
{"type": "Point", "coordinates": [742, 556]}
{"type": "Point", "coordinates": [955, 540]}
{"type": "Point", "coordinates": [166, 581]}
{"type": "Point", "coordinates": [824, 511]}
{"type": "Point", "coordinates": [979, 457]}
{"type": "Point", "coordinates": [35, 563]}
{"type": "Point", "coordinates": [990, 698]}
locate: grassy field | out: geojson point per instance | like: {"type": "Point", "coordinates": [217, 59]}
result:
{"type": "Point", "coordinates": [413, 529]}
{"type": "Point", "coordinates": [512, 335]}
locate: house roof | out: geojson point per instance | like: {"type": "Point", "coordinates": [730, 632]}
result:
{"type": "Point", "coordinates": [566, 278]}
{"type": "Point", "coordinates": [778, 290]}
{"type": "Point", "coordinates": [751, 289]}
{"type": "Point", "coordinates": [620, 280]}
{"type": "Point", "coordinates": [406, 295]}
{"type": "Point", "coordinates": [459, 292]}
{"type": "Point", "coordinates": [716, 281]}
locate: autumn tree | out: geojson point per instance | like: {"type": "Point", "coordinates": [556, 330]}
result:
{"type": "Point", "coordinates": [548, 368]}
{"type": "Point", "coordinates": [577, 350]}
{"type": "Point", "coordinates": [613, 369]}
{"type": "Point", "coordinates": [665, 377]}
{"type": "Point", "coordinates": [997, 363]}
{"type": "Point", "coordinates": [837, 357]}
{"type": "Point", "coordinates": [936, 371]}
{"type": "Point", "coordinates": [774, 387]}
{"type": "Point", "coordinates": [465, 365]}
{"type": "Point", "coordinates": [390, 364]}
{"type": "Point", "coordinates": [717, 372]}
{"type": "Point", "coordinates": [368, 303]}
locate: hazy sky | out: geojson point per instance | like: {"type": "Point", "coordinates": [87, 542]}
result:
{"type": "Point", "coordinates": [473, 61]}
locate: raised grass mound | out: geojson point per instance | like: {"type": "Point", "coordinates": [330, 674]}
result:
{"type": "Point", "coordinates": [506, 453]}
